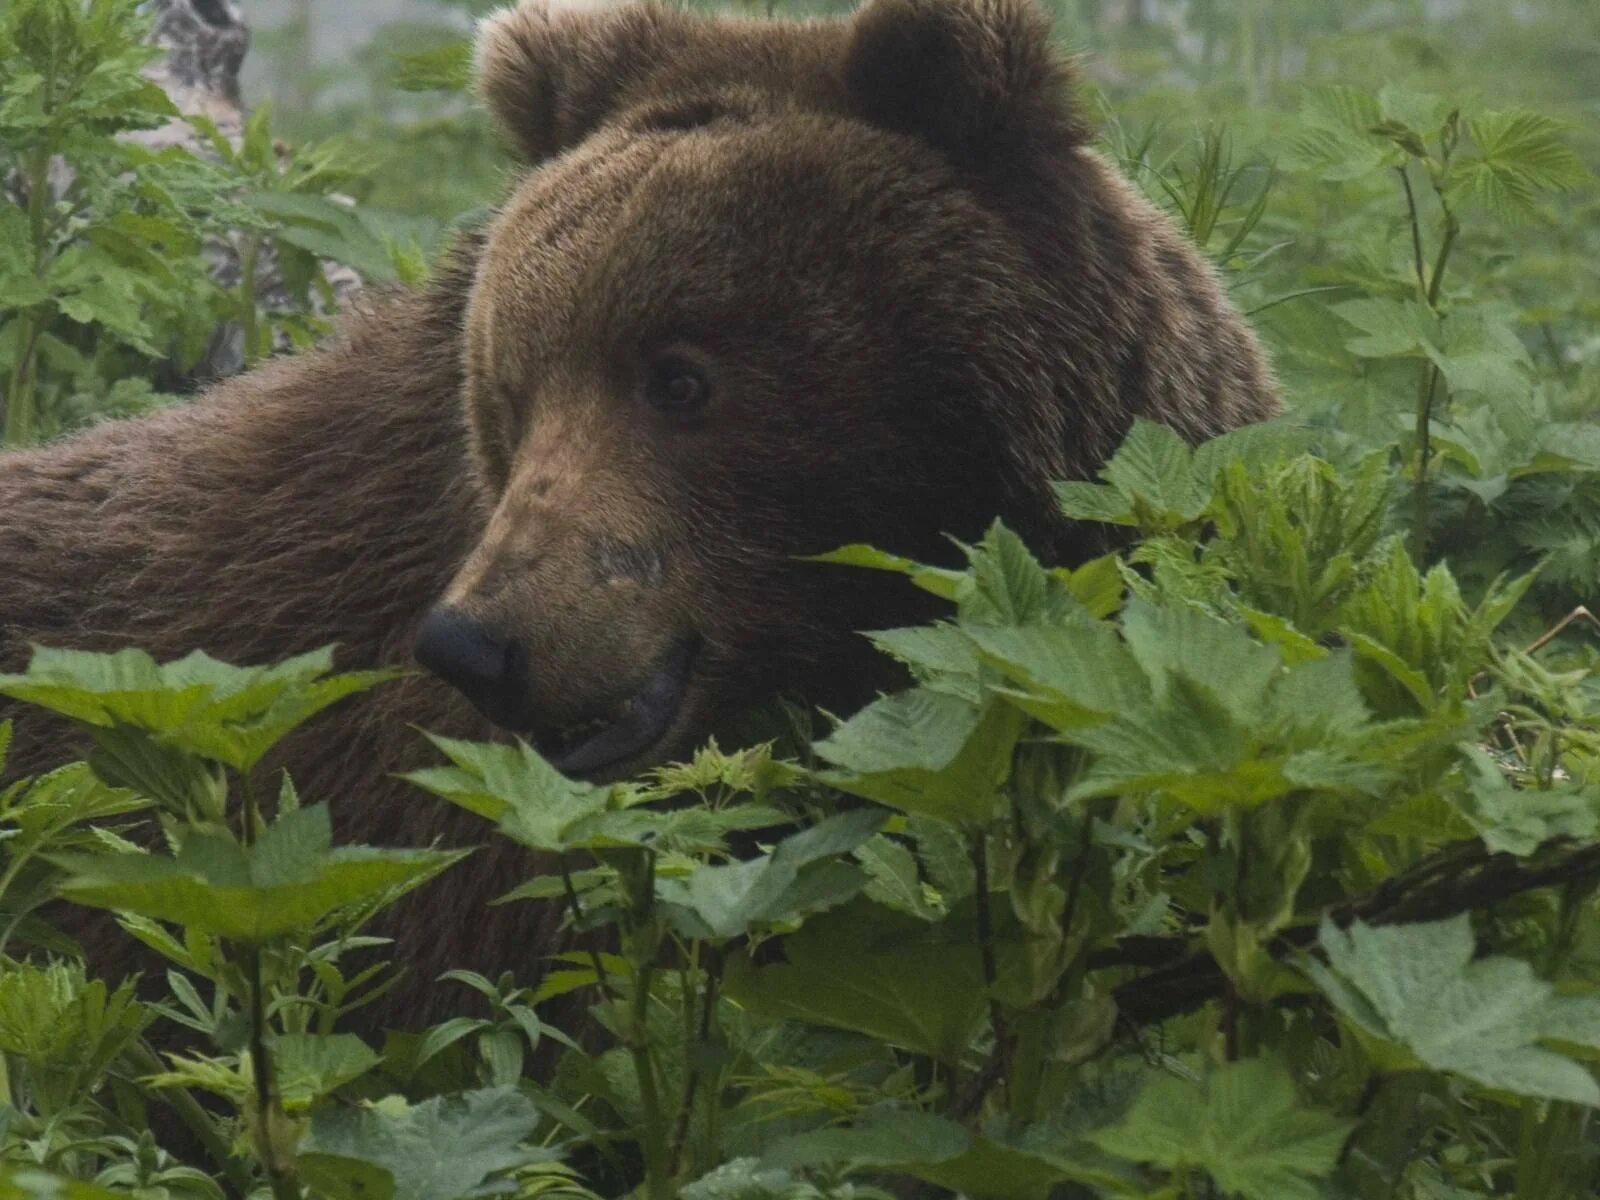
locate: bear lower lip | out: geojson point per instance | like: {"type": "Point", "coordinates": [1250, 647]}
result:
{"type": "Point", "coordinates": [644, 719]}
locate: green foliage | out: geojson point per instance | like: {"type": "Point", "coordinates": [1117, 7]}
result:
{"type": "Point", "coordinates": [1243, 1124]}
{"type": "Point", "coordinates": [1417, 988]}
{"type": "Point", "coordinates": [1255, 859]}
{"type": "Point", "coordinates": [107, 297]}
{"type": "Point", "coordinates": [394, 1149]}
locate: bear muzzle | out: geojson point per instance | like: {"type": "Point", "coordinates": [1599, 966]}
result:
{"type": "Point", "coordinates": [493, 673]}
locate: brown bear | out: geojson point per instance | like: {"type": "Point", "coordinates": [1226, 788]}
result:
{"type": "Point", "coordinates": [766, 288]}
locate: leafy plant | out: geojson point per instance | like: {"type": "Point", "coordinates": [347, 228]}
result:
{"type": "Point", "coordinates": [1256, 859]}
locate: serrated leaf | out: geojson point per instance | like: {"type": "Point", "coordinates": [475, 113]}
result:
{"type": "Point", "coordinates": [1518, 821]}
{"type": "Point", "coordinates": [483, 1130]}
{"type": "Point", "coordinates": [856, 969]}
{"type": "Point", "coordinates": [232, 715]}
{"type": "Point", "coordinates": [1095, 502]}
{"type": "Point", "coordinates": [926, 753]}
{"type": "Point", "coordinates": [893, 880]}
{"type": "Point", "coordinates": [286, 881]}
{"type": "Point", "coordinates": [1154, 470]}
{"type": "Point", "coordinates": [307, 1067]}
{"type": "Point", "coordinates": [1390, 328]}
{"type": "Point", "coordinates": [940, 657]}
{"type": "Point", "coordinates": [1243, 1124]}
{"type": "Point", "coordinates": [513, 785]}
{"type": "Point", "coordinates": [1069, 675]}
{"type": "Point", "coordinates": [1520, 156]}
{"type": "Point", "coordinates": [1419, 987]}
{"type": "Point", "coordinates": [803, 875]}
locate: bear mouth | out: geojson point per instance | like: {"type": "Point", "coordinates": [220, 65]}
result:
{"type": "Point", "coordinates": [626, 731]}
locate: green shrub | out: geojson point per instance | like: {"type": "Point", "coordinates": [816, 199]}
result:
{"type": "Point", "coordinates": [1259, 859]}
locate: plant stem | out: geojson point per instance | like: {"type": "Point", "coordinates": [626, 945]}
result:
{"type": "Point", "coordinates": [20, 423]}
{"type": "Point", "coordinates": [641, 940]}
{"type": "Point", "coordinates": [1426, 384]}
{"type": "Point", "coordinates": [991, 974]}
{"type": "Point", "coordinates": [1416, 232]}
{"type": "Point", "coordinates": [143, 1058]}
{"type": "Point", "coordinates": [19, 427]}
{"type": "Point", "coordinates": [1429, 288]}
{"type": "Point", "coordinates": [248, 324]}
{"type": "Point", "coordinates": [1452, 230]}
{"type": "Point", "coordinates": [708, 1011]}
{"type": "Point", "coordinates": [280, 1179]}
{"type": "Point", "coordinates": [577, 920]}
{"type": "Point", "coordinates": [653, 1139]}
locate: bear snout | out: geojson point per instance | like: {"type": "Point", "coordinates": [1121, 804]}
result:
{"type": "Point", "coordinates": [488, 669]}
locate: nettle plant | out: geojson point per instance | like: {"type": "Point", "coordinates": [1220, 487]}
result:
{"type": "Point", "coordinates": [1251, 865]}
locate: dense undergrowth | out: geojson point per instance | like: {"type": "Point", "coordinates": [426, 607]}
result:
{"type": "Point", "coordinates": [1260, 859]}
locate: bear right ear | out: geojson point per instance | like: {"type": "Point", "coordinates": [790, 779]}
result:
{"type": "Point", "coordinates": [550, 70]}
{"type": "Point", "coordinates": [979, 79]}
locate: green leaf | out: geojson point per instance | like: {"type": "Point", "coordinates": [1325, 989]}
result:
{"type": "Point", "coordinates": [307, 1067]}
{"type": "Point", "coordinates": [325, 228]}
{"type": "Point", "coordinates": [513, 785]}
{"type": "Point", "coordinates": [1209, 717]}
{"type": "Point", "coordinates": [988, 1166]}
{"type": "Point", "coordinates": [1095, 502]}
{"type": "Point", "coordinates": [803, 875]}
{"type": "Point", "coordinates": [892, 878]}
{"type": "Point", "coordinates": [1516, 820]}
{"type": "Point", "coordinates": [1006, 585]}
{"type": "Point", "coordinates": [941, 658]}
{"type": "Point", "coordinates": [1152, 483]}
{"type": "Point", "coordinates": [937, 580]}
{"type": "Point", "coordinates": [232, 715]}
{"type": "Point", "coordinates": [857, 969]}
{"type": "Point", "coordinates": [1243, 1124]}
{"type": "Point", "coordinates": [28, 1183]}
{"type": "Point", "coordinates": [1479, 352]}
{"type": "Point", "coordinates": [1336, 141]}
{"type": "Point", "coordinates": [883, 1139]}
{"type": "Point", "coordinates": [1418, 987]}
{"type": "Point", "coordinates": [1154, 470]}
{"type": "Point", "coordinates": [1070, 675]}
{"type": "Point", "coordinates": [926, 753]}
{"type": "Point", "coordinates": [1390, 328]}
{"type": "Point", "coordinates": [441, 1149]}
{"type": "Point", "coordinates": [1520, 156]}
{"type": "Point", "coordinates": [287, 881]}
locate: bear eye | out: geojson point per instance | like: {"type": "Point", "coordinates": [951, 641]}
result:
{"type": "Point", "coordinates": [676, 386]}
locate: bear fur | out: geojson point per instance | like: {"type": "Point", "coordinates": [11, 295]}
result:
{"type": "Point", "coordinates": [765, 288]}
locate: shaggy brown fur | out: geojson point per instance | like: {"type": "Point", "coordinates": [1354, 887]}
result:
{"type": "Point", "coordinates": [910, 298]}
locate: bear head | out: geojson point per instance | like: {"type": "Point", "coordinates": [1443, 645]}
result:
{"type": "Point", "coordinates": [769, 288]}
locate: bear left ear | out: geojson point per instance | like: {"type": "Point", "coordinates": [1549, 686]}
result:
{"type": "Point", "coordinates": [549, 71]}
{"type": "Point", "coordinates": [979, 79]}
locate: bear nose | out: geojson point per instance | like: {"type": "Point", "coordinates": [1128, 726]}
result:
{"type": "Point", "coordinates": [490, 670]}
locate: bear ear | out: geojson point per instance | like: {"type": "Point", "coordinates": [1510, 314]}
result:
{"type": "Point", "coordinates": [550, 70]}
{"type": "Point", "coordinates": [979, 79]}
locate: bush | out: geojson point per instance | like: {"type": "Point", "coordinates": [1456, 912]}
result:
{"type": "Point", "coordinates": [1258, 859]}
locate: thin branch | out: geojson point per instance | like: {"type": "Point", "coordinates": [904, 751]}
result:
{"type": "Point", "coordinates": [1460, 880]}
{"type": "Point", "coordinates": [595, 960]}
{"type": "Point", "coordinates": [991, 973]}
{"type": "Point", "coordinates": [1416, 232]}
